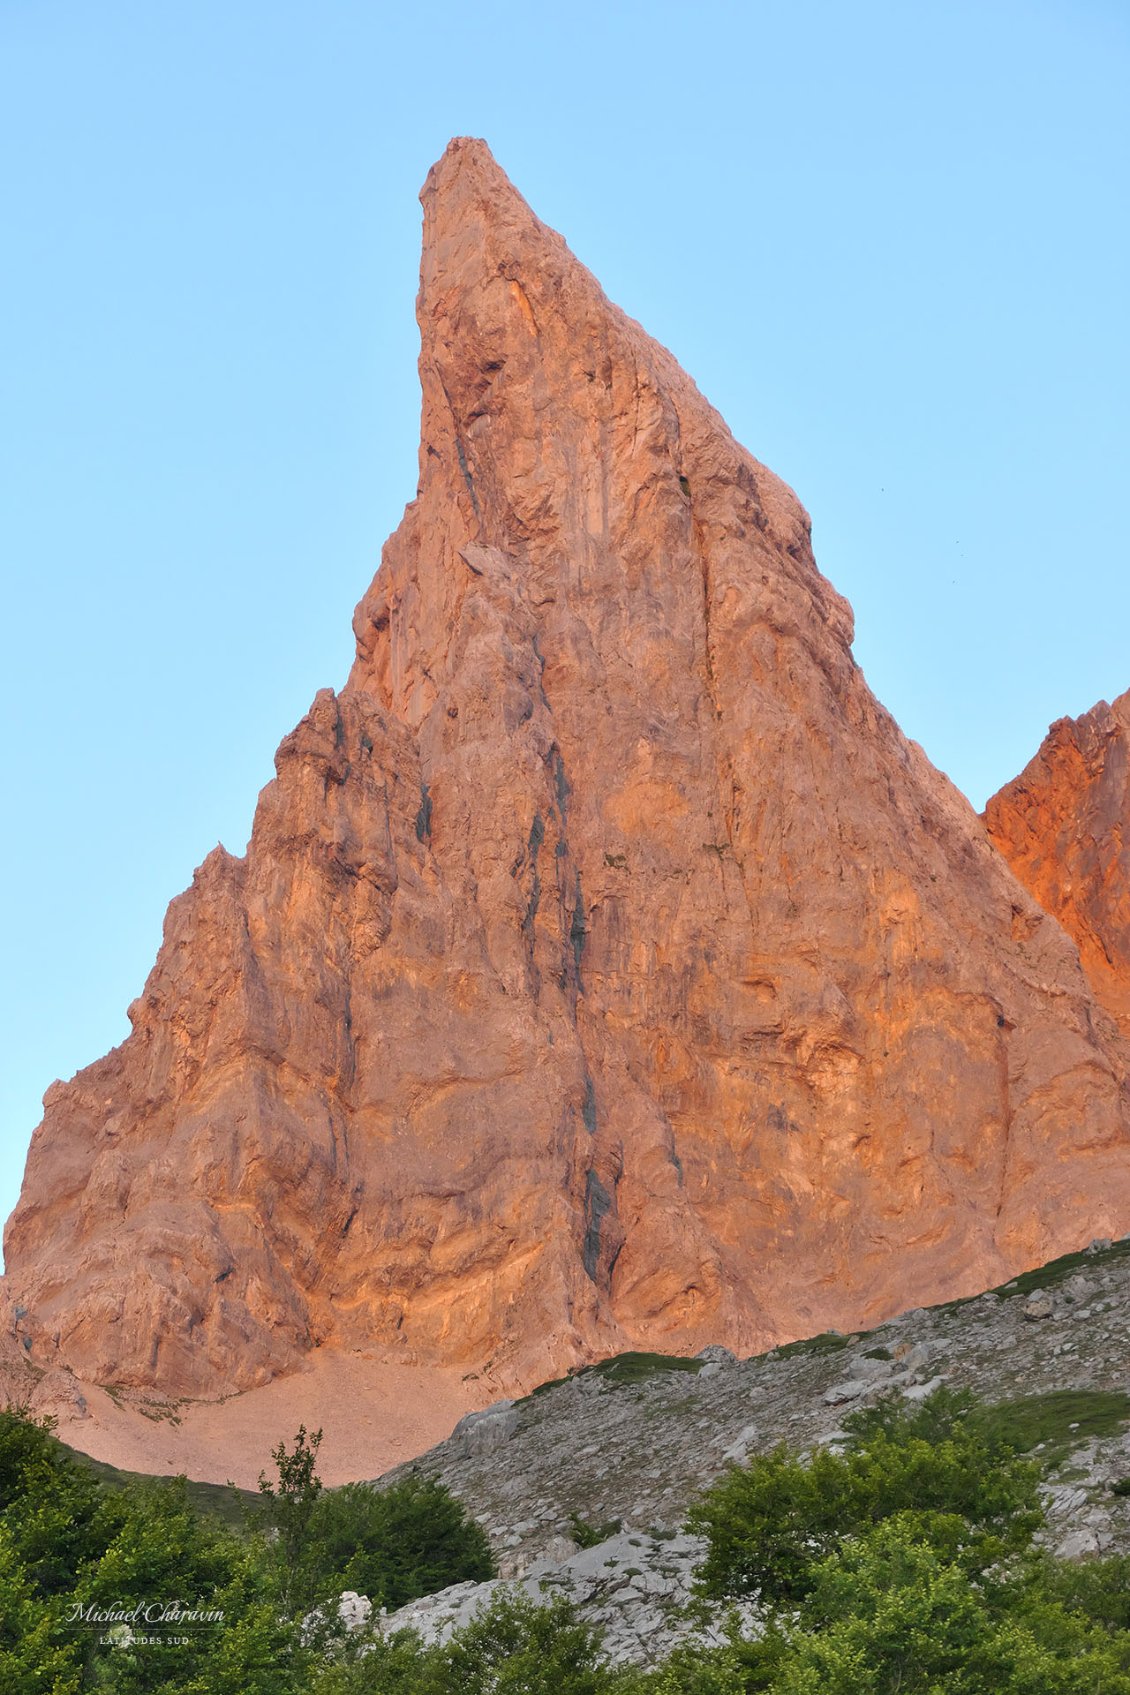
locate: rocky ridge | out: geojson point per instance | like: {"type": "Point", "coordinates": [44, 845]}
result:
{"type": "Point", "coordinates": [1063, 827]}
{"type": "Point", "coordinates": [606, 970]}
{"type": "Point", "coordinates": [630, 1455]}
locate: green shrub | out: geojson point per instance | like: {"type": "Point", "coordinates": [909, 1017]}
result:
{"type": "Point", "coordinates": [771, 1522]}
{"type": "Point", "coordinates": [383, 1665]}
{"type": "Point", "coordinates": [37, 1655]}
{"type": "Point", "coordinates": [394, 1544]}
{"type": "Point", "coordinates": [888, 1613]}
{"type": "Point", "coordinates": [587, 1535]}
{"type": "Point", "coordinates": [517, 1647]}
{"type": "Point", "coordinates": [1055, 1422]}
{"type": "Point", "coordinates": [1096, 1589]}
{"type": "Point", "coordinates": [55, 1513]}
{"type": "Point", "coordinates": [694, 1670]}
{"type": "Point", "coordinates": [164, 1553]}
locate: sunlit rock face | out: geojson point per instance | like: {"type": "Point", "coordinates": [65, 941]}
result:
{"type": "Point", "coordinates": [1064, 827]}
{"type": "Point", "coordinates": [606, 969]}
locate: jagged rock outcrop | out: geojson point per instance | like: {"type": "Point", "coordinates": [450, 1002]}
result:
{"type": "Point", "coordinates": [605, 968]}
{"type": "Point", "coordinates": [1064, 827]}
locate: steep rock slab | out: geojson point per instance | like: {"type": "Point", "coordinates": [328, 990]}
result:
{"type": "Point", "coordinates": [605, 969]}
{"type": "Point", "coordinates": [1064, 827]}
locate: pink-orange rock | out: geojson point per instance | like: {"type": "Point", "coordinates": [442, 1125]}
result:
{"type": "Point", "coordinates": [1064, 827]}
{"type": "Point", "coordinates": [606, 969]}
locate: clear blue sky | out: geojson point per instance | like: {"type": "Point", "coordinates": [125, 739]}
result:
{"type": "Point", "coordinates": [888, 240]}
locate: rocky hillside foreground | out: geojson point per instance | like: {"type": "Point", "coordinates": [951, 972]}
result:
{"type": "Point", "coordinates": [616, 1454]}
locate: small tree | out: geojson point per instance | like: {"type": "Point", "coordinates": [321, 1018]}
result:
{"type": "Point", "coordinates": [287, 1508]}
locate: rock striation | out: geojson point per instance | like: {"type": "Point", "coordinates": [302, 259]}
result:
{"type": "Point", "coordinates": [606, 969]}
{"type": "Point", "coordinates": [1064, 827]}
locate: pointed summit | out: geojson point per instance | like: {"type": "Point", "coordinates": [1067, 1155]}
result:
{"type": "Point", "coordinates": [606, 970]}
{"type": "Point", "coordinates": [509, 318]}
{"type": "Point", "coordinates": [475, 221]}
{"type": "Point", "coordinates": [556, 430]}
{"type": "Point", "coordinates": [466, 175]}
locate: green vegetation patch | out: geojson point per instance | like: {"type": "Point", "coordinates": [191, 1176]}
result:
{"type": "Point", "coordinates": [905, 1563]}
{"type": "Point", "coordinates": [938, 1465]}
{"type": "Point", "coordinates": [588, 1535]}
{"type": "Point", "coordinates": [221, 1500]}
{"type": "Point", "coordinates": [637, 1368]}
{"type": "Point", "coordinates": [1057, 1422]}
{"type": "Point", "coordinates": [1058, 1270]}
{"type": "Point", "coordinates": [669, 1409]}
{"type": "Point", "coordinates": [1047, 1276]}
{"type": "Point", "coordinates": [908, 1562]}
{"type": "Point", "coordinates": [623, 1368]}
{"type": "Point", "coordinates": [84, 1546]}
{"type": "Point", "coordinates": [828, 1342]}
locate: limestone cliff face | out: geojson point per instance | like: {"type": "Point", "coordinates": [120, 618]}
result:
{"type": "Point", "coordinates": [1064, 827]}
{"type": "Point", "coordinates": [605, 969]}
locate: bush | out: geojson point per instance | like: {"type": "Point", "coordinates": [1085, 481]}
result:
{"type": "Point", "coordinates": [770, 1523]}
{"type": "Point", "coordinates": [167, 1553]}
{"type": "Point", "coordinates": [888, 1613]}
{"type": "Point", "coordinates": [65, 1539]}
{"type": "Point", "coordinates": [694, 1670]}
{"type": "Point", "coordinates": [1095, 1589]}
{"type": "Point", "coordinates": [384, 1665]}
{"type": "Point", "coordinates": [36, 1657]}
{"type": "Point", "coordinates": [517, 1647]}
{"type": "Point", "coordinates": [394, 1544]}
{"type": "Point", "coordinates": [588, 1535]}
{"type": "Point", "coordinates": [55, 1513]}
